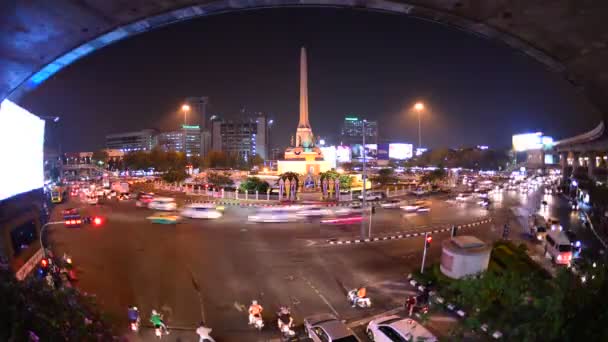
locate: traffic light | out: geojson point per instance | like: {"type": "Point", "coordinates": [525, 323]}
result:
{"type": "Point", "coordinates": [427, 241]}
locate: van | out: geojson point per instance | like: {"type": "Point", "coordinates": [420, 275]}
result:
{"type": "Point", "coordinates": [558, 247]}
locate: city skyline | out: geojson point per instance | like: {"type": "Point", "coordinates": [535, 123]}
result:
{"type": "Point", "coordinates": [377, 74]}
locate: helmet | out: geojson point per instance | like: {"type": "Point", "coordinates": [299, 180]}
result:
{"type": "Point", "coordinates": [285, 310]}
{"type": "Point", "coordinates": [254, 302]}
{"type": "Point", "coordinates": [154, 312]}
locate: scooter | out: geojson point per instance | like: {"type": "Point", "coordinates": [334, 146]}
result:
{"type": "Point", "coordinates": [258, 322]}
{"type": "Point", "coordinates": [361, 302]}
{"type": "Point", "coordinates": [287, 332]}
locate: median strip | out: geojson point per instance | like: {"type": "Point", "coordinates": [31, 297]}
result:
{"type": "Point", "coordinates": [405, 236]}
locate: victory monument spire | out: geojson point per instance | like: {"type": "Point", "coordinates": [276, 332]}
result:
{"type": "Point", "coordinates": [304, 136]}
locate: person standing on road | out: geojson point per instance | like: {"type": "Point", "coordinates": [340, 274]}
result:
{"type": "Point", "coordinates": [204, 333]}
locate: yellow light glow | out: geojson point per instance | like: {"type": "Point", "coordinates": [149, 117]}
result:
{"type": "Point", "coordinates": [419, 106]}
{"type": "Point", "coordinates": [185, 108]}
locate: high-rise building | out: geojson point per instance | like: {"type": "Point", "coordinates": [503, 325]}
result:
{"type": "Point", "coordinates": [352, 131]}
{"type": "Point", "coordinates": [243, 137]}
{"type": "Point", "coordinates": [143, 140]}
{"type": "Point", "coordinates": [186, 140]}
{"type": "Point", "coordinates": [198, 107]}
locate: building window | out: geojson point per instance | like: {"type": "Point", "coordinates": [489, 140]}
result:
{"type": "Point", "coordinates": [23, 236]}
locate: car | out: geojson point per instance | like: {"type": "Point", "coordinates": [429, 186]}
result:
{"type": "Point", "coordinates": [272, 215]}
{"type": "Point", "coordinates": [328, 328]}
{"type": "Point", "coordinates": [423, 209]}
{"type": "Point", "coordinates": [413, 207]}
{"type": "Point", "coordinates": [558, 247]}
{"type": "Point", "coordinates": [394, 328]}
{"type": "Point", "coordinates": [313, 212]}
{"type": "Point", "coordinates": [391, 204]}
{"type": "Point", "coordinates": [373, 196]}
{"type": "Point", "coordinates": [163, 203]}
{"type": "Point", "coordinates": [163, 218]}
{"type": "Point", "coordinates": [91, 199]}
{"type": "Point", "coordinates": [575, 243]}
{"type": "Point", "coordinates": [143, 199]}
{"type": "Point", "coordinates": [201, 211]}
{"type": "Point", "coordinates": [349, 218]}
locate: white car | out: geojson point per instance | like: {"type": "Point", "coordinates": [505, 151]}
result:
{"type": "Point", "coordinates": [395, 328]}
{"type": "Point", "coordinates": [163, 203]}
{"type": "Point", "coordinates": [394, 203]}
{"type": "Point", "coordinates": [372, 196]}
{"type": "Point", "coordinates": [201, 211]}
{"type": "Point", "coordinates": [272, 215]}
{"type": "Point", "coordinates": [313, 212]}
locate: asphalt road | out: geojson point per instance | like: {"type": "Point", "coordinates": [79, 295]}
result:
{"type": "Point", "coordinates": [211, 270]}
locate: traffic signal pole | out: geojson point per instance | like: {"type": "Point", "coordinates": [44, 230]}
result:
{"type": "Point", "coordinates": [426, 236]}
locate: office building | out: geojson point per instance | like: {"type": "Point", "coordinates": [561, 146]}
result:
{"type": "Point", "coordinates": [198, 108]}
{"type": "Point", "coordinates": [186, 140]}
{"type": "Point", "coordinates": [352, 131]}
{"type": "Point", "coordinates": [244, 137]}
{"type": "Point", "coordinates": [143, 140]}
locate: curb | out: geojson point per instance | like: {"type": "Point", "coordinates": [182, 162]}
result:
{"type": "Point", "coordinates": [408, 235]}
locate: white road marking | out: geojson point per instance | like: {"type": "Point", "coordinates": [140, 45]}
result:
{"type": "Point", "coordinates": [321, 296]}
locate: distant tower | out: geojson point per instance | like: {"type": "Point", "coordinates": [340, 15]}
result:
{"type": "Point", "coordinates": [304, 136]}
{"type": "Point", "coordinates": [199, 108]}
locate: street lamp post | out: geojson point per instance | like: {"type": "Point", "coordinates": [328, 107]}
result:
{"type": "Point", "coordinates": [52, 223]}
{"type": "Point", "coordinates": [186, 109]}
{"type": "Point", "coordinates": [419, 107]}
{"type": "Point", "coordinates": [364, 178]}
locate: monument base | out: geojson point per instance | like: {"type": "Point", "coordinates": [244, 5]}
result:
{"type": "Point", "coordinates": [303, 167]}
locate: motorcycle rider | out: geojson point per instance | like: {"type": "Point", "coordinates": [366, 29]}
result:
{"type": "Point", "coordinates": [361, 293]}
{"type": "Point", "coordinates": [157, 320]}
{"type": "Point", "coordinates": [255, 310]}
{"type": "Point", "coordinates": [284, 318]}
{"type": "Point", "coordinates": [133, 314]}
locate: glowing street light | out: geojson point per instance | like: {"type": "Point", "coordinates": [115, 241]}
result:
{"type": "Point", "coordinates": [419, 108]}
{"type": "Point", "coordinates": [186, 109]}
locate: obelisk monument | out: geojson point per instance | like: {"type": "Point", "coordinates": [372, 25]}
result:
{"type": "Point", "coordinates": [304, 136]}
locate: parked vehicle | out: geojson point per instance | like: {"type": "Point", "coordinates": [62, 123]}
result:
{"type": "Point", "coordinates": [394, 328]}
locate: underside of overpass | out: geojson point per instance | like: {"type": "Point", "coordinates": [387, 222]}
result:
{"type": "Point", "coordinates": [38, 37]}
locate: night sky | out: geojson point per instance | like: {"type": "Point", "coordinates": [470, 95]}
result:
{"type": "Point", "coordinates": [360, 63]}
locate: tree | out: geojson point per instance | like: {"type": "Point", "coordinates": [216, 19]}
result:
{"type": "Point", "coordinates": [215, 159]}
{"type": "Point", "coordinates": [174, 176]}
{"type": "Point", "coordinates": [52, 315]}
{"type": "Point", "coordinates": [386, 176]}
{"type": "Point", "coordinates": [101, 156]}
{"type": "Point", "coordinates": [220, 179]}
{"type": "Point", "coordinates": [256, 160]}
{"type": "Point", "coordinates": [254, 184]}
{"type": "Point", "coordinates": [434, 176]}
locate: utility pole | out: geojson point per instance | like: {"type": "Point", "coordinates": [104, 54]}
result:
{"type": "Point", "coordinates": [364, 177]}
{"type": "Point", "coordinates": [427, 244]}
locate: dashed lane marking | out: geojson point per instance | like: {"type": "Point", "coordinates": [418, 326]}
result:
{"type": "Point", "coordinates": [321, 296]}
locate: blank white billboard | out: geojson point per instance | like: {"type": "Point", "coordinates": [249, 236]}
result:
{"type": "Point", "coordinates": [343, 154]}
{"type": "Point", "coordinates": [400, 151]}
{"type": "Point", "coordinates": [21, 146]}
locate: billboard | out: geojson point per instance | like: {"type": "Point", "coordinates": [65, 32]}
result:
{"type": "Point", "coordinates": [400, 151]}
{"type": "Point", "coordinates": [22, 142]}
{"type": "Point", "coordinates": [329, 154]}
{"type": "Point", "coordinates": [343, 154]}
{"type": "Point", "coordinates": [528, 141]}
{"type": "Point", "coordinates": [383, 151]}
{"type": "Point", "coordinates": [371, 151]}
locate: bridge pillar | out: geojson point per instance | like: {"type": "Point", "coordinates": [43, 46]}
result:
{"type": "Point", "coordinates": [590, 164]}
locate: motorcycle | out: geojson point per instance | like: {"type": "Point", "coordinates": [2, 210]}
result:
{"type": "Point", "coordinates": [134, 323]}
{"type": "Point", "coordinates": [258, 322]}
{"type": "Point", "coordinates": [361, 302]}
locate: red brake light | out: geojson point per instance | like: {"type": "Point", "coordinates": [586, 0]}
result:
{"type": "Point", "coordinates": [97, 221]}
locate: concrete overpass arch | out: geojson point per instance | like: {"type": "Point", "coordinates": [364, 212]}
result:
{"type": "Point", "coordinates": [40, 38]}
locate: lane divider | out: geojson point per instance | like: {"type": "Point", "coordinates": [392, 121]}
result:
{"type": "Point", "coordinates": [408, 235]}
